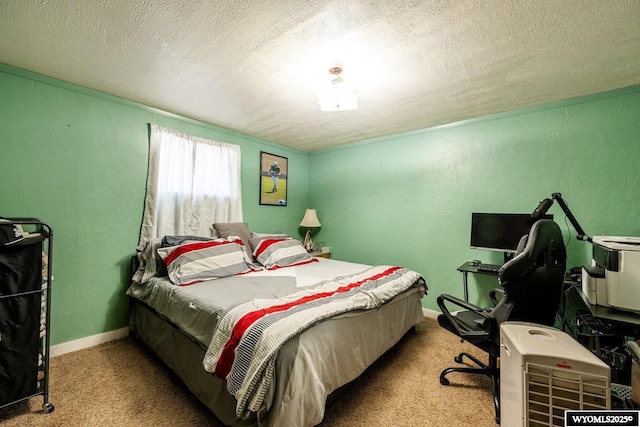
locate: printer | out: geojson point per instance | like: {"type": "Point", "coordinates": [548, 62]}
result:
{"type": "Point", "coordinates": [613, 278]}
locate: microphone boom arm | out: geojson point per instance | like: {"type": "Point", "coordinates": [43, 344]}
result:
{"type": "Point", "coordinates": [546, 204]}
{"type": "Point", "coordinates": [581, 234]}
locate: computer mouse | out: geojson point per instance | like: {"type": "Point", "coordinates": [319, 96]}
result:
{"type": "Point", "coordinates": [475, 262]}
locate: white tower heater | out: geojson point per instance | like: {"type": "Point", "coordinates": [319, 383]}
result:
{"type": "Point", "coordinates": [544, 372]}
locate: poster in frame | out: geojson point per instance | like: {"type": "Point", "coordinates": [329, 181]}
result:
{"type": "Point", "coordinates": [273, 179]}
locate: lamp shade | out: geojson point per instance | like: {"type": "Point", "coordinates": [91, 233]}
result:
{"type": "Point", "coordinates": [310, 219]}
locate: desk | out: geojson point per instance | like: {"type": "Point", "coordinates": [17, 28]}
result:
{"type": "Point", "coordinates": [628, 322]}
{"type": "Point", "coordinates": [624, 322]}
{"type": "Point", "coordinates": [604, 334]}
{"type": "Point", "coordinates": [469, 267]}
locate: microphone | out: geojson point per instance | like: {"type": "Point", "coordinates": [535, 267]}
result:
{"type": "Point", "coordinates": [542, 209]}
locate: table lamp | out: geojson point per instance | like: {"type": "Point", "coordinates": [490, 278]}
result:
{"type": "Point", "coordinates": [310, 220]}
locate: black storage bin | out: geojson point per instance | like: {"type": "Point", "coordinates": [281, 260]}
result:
{"type": "Point", "coordinates": [21, 266]}
{"type": "Point", "coordinates": [25, 292]}
{"type": "Point", "coordinates": [19, 379]}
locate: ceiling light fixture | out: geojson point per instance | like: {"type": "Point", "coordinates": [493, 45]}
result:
{"type": "Point", "coordinates": [339, 96]}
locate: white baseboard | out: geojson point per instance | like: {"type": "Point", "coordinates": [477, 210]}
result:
{"type": "Point", "coordinates": [86, 342]}
{"type": "Point", "coordinates": [432, 314]}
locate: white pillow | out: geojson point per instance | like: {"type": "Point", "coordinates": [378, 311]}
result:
{"type": "Point", "coordinates": [279, 252]}
{"type": "Point", "coordinates": [257, 237]}
{"type": "Point", "coordinates": [198, 261]}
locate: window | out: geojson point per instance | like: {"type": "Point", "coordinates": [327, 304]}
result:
{"type": "Point", "coordinates": [192, 182]}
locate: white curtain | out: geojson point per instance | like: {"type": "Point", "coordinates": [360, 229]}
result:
{"type": "Point", "coordinates": [192, 183]}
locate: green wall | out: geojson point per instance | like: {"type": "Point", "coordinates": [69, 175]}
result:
{"type": "Point", "coordinates": [407, 199]}
{"type": "Point", "coordinates": [77, 159]}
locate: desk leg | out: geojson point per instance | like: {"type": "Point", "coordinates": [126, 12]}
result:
{"type": "Point", "coordinates": [466, 286]}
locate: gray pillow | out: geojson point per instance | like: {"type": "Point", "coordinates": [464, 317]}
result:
{"type": "Point", "coordinates": [240, 229]}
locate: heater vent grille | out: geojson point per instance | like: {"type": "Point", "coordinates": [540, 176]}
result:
{"type": "Point", "coordinates": [551, 391]}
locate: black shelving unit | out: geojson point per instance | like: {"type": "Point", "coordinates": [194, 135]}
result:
{"type": "Point", "coordinates": [25, 313]}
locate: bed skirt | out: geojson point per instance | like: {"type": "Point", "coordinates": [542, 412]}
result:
{"type": "Point", "coordinates": [367, 335]}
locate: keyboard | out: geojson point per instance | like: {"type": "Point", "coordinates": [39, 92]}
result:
{"type": "Point", "coordinates": [489, 267]}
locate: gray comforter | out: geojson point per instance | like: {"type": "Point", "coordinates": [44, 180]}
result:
{"type": "Point", "coordinates": [304, 381]}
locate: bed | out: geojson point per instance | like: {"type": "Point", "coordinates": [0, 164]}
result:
{"type": "Point", "coordinates": [322, 345]}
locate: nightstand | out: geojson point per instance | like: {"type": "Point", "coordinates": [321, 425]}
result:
{"type": "Point", "coordinates": [320, 254]}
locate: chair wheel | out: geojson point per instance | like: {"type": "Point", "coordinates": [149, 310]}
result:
{"type": "Point", "coordinates": [47, 407]}
{"type": "Point", "coordinates": [444, 381]}
{"type": "Point", "coordinates": [458, 358]}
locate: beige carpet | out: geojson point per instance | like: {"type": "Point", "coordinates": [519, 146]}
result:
{"type": "Point", "coordinates": [122, 384]}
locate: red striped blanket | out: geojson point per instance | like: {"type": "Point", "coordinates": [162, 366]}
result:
{"type": "Point", "coordinates": [246, 341]}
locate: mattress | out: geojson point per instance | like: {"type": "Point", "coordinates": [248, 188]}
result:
{"type": "Point", "coordinates": [195, 308]}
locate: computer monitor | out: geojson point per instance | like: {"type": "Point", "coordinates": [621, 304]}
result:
{"type": "Point", "coordinates": [499, 231]}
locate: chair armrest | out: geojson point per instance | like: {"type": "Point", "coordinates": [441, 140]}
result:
{"type": "Point", "coordinates": [493, 295]}
{"type": "Point", "coordinates": [463, 333]}
{"type": "Point", "coordinates": [457, 301]}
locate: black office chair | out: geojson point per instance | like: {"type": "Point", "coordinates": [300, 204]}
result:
{"type": "Point", "coordinates": [531, 289]}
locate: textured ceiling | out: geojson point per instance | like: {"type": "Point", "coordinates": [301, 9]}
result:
{"type": "Point", "coordinates": [257, 66]}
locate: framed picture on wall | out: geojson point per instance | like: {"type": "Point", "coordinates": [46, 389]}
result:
{"type": "Point", "coordinates": [273, 179]}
